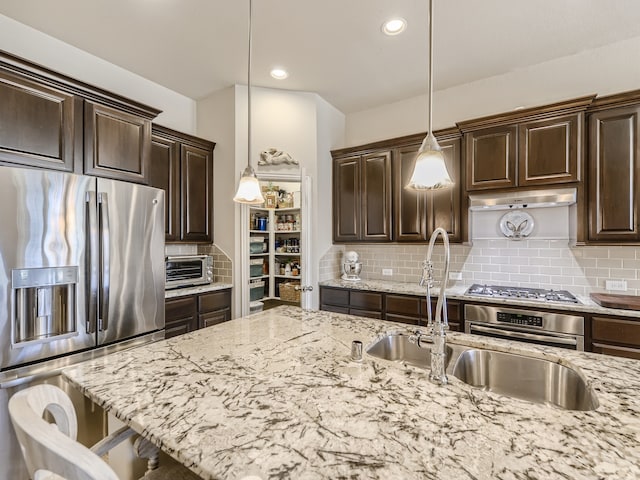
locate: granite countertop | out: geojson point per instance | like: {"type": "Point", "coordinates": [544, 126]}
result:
{"type": "Point", "coordinates": [182, 292]}
{"type": "Point", "coordinates": [276, 395]}
{"type": "Point", "coordinates": [458, 293]}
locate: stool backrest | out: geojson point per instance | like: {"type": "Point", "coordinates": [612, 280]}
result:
{"type": "Point", "coordinates": [53, 446]}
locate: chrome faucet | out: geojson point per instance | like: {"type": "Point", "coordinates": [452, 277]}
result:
{"type": "Point", "coordinates": [436, 324]}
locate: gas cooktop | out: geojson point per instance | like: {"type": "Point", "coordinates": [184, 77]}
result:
{"type": "Point", "coordinates": [522, 293]}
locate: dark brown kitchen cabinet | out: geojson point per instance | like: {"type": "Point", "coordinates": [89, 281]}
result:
{"type": "Point", "coordinates": [534, 147]}
{"type": "Point", "coordinates": [192, 312]}
{"type": "Point", "coordinates": [403, 309]}
{"type": "Point", "coordinates": [38, 124]}
{"type": "Point", "coordinates": [408, 309]}
{"type": "Point", "coordinates": [491, 157]}
{"type": "Point", "coordinates": [617, 336]}
{"type": "Point", "coordinates": [362, 197]}
{"type": "Point", "coordinates": [165, 174]}
{"type": "Point", "coordinates": [418, 214]}
{"type": "Point", "coordinates": [454, 313]}
{"type": "Point", "coordinates": [214, 308]}
{"type": "Point", "coordinates": [182, 165]}
{"type": "Point", "coordinates": [117, 144]}
{"type": "Point", "coordinates": [181, 316]}
{"type": "Point", "coordinates": [334, 299]}
{"type": "Point", "coordinates": [614, 169]}
{"type": "Point", "coordinates": [361, 303]}
{"type": "Point", "coordinates": [549, 150]}
{"type": "Point", "coordinates": [53, 121]}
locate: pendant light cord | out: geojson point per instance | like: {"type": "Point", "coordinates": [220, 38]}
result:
{"type": "Point", "coordinates": [249, 90]}
{"type": "Point", "coordinates": [430, 80]}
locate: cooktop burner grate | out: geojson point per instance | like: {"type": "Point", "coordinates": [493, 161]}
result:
{"type": "Point", "coordinates": [522, 293]}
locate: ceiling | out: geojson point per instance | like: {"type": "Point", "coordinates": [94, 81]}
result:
{"type": "Point", "coordinates": [332, 47]}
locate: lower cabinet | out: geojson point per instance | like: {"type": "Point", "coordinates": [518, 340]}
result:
{"type": "Point", "coordinates": [409, 309]}
{"type": "Point", "coordinates": [180, 315]}
{"type": "Point", "coordinates": [615, 336]}
{"type": "Point", "coordinates": [214, 308]}
{"type": "Point", "coordinates": [191, 312]}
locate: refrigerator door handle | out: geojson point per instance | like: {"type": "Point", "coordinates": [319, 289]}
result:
{"type": "Point", "coordinates": [103, 317]}
{"type": "Point", "coordinates": [91, 262]}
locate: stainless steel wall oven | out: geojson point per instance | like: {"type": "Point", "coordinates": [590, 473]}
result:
{"type": "Point", "coordinates": [531, 326]}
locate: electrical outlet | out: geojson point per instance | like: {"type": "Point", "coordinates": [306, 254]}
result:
{"type": "Point", "coordinates": [387, 271]}
{"type": "Point", "coordinates": [455, 275]}
{"type": "Point", "coordinates": [619, 285]}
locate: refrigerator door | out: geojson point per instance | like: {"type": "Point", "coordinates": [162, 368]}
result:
{"type": "Point", "coordinates": [131, 259]}
{"type": "Point", "coordinates": [43, 220]}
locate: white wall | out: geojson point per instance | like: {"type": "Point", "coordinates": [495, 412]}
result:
{"type": "Point", "coordinates": [300, 123]}
{"type": "Point", "coordinates": [611, 69]}
{"type": "Point", "coordinates": [178, 111]}
{"type": "Point", "coordinates": [331, 126]}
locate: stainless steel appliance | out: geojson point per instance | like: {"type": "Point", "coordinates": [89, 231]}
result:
{"type": "Point", "coordinates": [531, 326]}
{"type": "Point", "coordinates": [351, 266]}
{"type": "Point", "coordinates": [81, 274]}
{"type": "Point", "coordinates": [522, 293]}
{"type": "Point", "coordinates": [188, 270]}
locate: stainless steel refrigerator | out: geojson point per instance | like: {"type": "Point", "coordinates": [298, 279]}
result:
{"type": "Point", "coordinates": [81, 275]}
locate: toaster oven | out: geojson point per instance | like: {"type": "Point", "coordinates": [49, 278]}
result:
{"type": "Point", "coordinates": [188, 271]}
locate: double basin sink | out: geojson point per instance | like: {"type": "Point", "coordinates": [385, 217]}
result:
{"type": "Point", "coordinates": [519, 376]}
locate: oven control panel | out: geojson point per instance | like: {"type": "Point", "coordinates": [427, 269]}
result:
{"type": "Point", "coordinates": [520, 319]}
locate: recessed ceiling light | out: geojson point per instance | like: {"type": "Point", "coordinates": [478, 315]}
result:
{"type": "Point", "coordinates": [394, 26]}
{"type": "Point", "coordinates": [279, 73]}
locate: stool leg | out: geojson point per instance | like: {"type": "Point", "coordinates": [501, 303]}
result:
{"type": "Point", "coordinates": [145, 449]}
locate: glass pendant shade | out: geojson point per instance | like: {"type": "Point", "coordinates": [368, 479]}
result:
{"type": "Point", "coordinates": [430, 171]}
{"type": "Point", "coordinates": [249, 191]}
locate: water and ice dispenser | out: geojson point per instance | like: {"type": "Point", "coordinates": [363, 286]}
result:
{"type": "Point", "coordinates": [44, 303]}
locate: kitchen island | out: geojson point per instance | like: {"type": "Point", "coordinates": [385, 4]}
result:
{"type": "Point", "coordinates": [276, 395]}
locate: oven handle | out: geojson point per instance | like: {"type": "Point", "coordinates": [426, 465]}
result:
{"type": "Point", "coordinates": [528, 336]}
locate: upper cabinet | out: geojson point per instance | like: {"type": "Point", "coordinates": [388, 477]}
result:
{"type": "Point", "coordinates": [418, 214]}
{"type": "Point", "coordinates": [362, 197]}
{"type": "Point", "coordinates": [614, 169]}
{"type": "Point", "coordinates": [52, 121]}
{"type": "Point", "coordinates": [370, 203]}
{"type": "Point", "coordinates": [38, 123]}
{"type": "Point", "coordinates": [534, 147]}
{"type": "Point", "coordinates": [117, 144]}
{"type": "Point", "coordinates": [182, 165]}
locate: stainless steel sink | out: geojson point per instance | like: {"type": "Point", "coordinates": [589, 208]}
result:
{"type": "Point", "coordinates": [519, 376]}
{"type": "Point", "coordinates": [397, 347]}
{"type": "Point", "coordinates": [533, 379]}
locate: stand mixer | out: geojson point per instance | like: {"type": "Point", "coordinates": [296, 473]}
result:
{"type": "Point", "coordinates": [351, 266]}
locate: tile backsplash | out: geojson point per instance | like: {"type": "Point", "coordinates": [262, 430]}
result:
{"type": "Point", "coordinates": [526, 263]}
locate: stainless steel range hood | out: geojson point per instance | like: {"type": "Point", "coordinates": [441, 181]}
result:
{"type": "Point", "coordinates": [550, 197]}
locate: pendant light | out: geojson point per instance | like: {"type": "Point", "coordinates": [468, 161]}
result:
{"type": "Point", "coordinates": [430, 171]}
{"type": "Point", "coordinates": [249, 191]}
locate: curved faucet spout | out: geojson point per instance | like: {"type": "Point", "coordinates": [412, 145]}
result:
{"type": "Point", "coordinates": [441, 310]}
{"type": "Point", "coordinates": [437, 326]}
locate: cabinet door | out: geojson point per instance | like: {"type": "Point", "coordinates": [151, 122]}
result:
{"type": "Point", "coordinates": [214, 301]}
{"type": "Point", "coordinates": [116, 144]}
{"type": "Point", "coordinates": [549, 150]}
{"type": "Point", "coordinates": [164, 173]}
{"type": "Point", "coordinates": [38, 124]}
{"type": "Point", "coordinates": [443, 206]}
{"type": "Point", "coordinates": [213, 318]}
{"type": "Point", "coordinates": [346, 199]}
{"type": "Point", "coordinates": [197, 194]}
{"type": "Point", "coordinates": [454, 313]}
{"type": "Point", "coordinates": [614, 173]}
{"type": "Point", "coordinates": [180, 316]}
{"type": "Point", "coordinates": [409, 206]}
{"type": "Point", "coordinates": [491, 157]}
{"type": "Point", "coordinates": [376, 197]}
